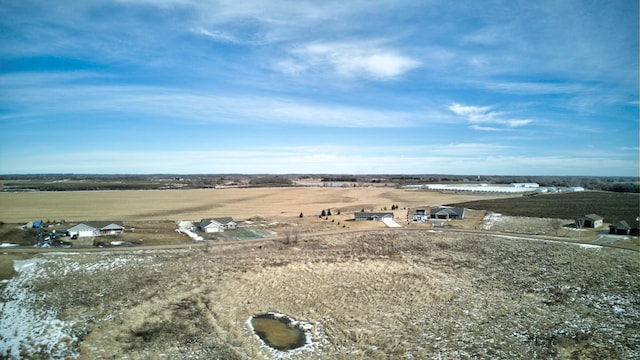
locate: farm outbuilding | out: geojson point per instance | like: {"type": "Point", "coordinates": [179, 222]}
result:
{"type": "Point", "coordinates": [420, 215]}
{"type": "Point", "coordinates": [220, 224]}
{"type": "Point", "coordinates": [524, 185]}
{"type": "Point", "coordinates": [373, 216]}
{"type": "Point", "coordinates": [589, 221]}
{"type": "Point", "coordinates": [620, 228]}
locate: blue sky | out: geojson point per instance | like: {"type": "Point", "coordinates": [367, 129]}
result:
{"type": "Point", "coordinates": [353, 87]}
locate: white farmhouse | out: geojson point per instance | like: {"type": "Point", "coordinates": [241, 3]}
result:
{"type": "Point", "coordinates": [213, 225]}
{"type": "Point", "coordinates": [88, 229]}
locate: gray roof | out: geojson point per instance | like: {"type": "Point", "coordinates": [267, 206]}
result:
{"type": "Point", "coordinates": [621, 225]}
{"type": "Point", "coordinates": [592, 217]}
{"type": "Point", "coordinates": [220, 220]}
{"type": "Point", "coordinates": [101, 224]}
{"type": "Point", "coordinates": [88, 225]}
{"type": "Point", "coordinates": [224, 220]}
{"type": "Point", "coordinates": [446, 210]}
{"type": "Point", "coordinates": [372, 214]}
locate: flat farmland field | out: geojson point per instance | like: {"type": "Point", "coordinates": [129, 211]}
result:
{"type": "Point", "coordinates": [239, 203]}
{"type": "Point", "coordinates": [611, 206]}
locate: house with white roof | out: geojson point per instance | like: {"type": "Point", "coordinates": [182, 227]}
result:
{"type": "Point", "coordinates": [95, 228]}
{"type": "Point", "coordinates": [220, 224]}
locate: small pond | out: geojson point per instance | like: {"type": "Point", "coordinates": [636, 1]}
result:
{"type": "Point", "coordinates": [279, 331]}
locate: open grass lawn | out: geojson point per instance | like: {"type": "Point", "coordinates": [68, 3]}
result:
{"type": "Point", "coordinates": [610, 205]}
{"type": "Point", "coordinates": [373, 295]}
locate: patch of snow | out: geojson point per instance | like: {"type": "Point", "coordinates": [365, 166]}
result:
{"type": "Point", "coordinates": [25, 325]}
{"type": "Point", "coordinates": [8, 245]}
{"type": "Point", "coordinates": [186, 227]}
{"type": "Point", "coordinates": [26, 265]}
{"type": "Point", "coordinates": [589, 246]}
{"type": "Point", "coordinates": [489, 220]}
{"type": "Point", "coordinates": [30, 329]}
{"type": "Point", "coordinates": [390, 223]}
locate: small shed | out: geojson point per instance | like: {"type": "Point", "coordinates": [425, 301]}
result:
{"type": "Point", "coordinates": [420, 215]}
{"type": "Point", "coordinates": [110, 228]}
{"type": "Point", "coordinates": [589, 221]}
{"type": "Point", "coordinates": [620, 228]}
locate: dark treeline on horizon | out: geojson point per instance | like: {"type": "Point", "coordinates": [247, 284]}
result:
{"type": "Point", "coordinates": [71, 182]}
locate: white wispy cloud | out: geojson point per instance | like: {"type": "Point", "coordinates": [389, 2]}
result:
{"type": "Point", "coordinates": [216, 35]}
{"type": "Point", "coordinates": [480, 116]}
{"type": "Point", "coordinates": [309, 160]}
{"type": "Point", "coordinates": [188, 105]}
{"type": "Point", "coordinates": [485, 128]}
{"type": "Point", "coordinates": [366, 59]}
{"type": "Point", "coordinates": [629, 148]}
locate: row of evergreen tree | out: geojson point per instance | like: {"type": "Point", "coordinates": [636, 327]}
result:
{"type": "Point", "coordinates": [327, 212]}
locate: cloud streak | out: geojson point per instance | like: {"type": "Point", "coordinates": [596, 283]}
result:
{"type": "Point", "coordinates": [351, 60]}
{"type": "Point", "coordinates": [350, 160]}
{"type": "Point", "coordinates": [188, 105]}
{"type": "Point", "coordinates": [479, 116]}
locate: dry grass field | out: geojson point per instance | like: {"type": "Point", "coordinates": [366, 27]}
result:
{"type": "Point", "coordinates": [145, 205]}
{"type": "Point", "coordinates": [413, 294]}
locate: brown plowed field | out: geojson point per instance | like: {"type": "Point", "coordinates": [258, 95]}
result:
{"type": "Point", "coordinates": [243, 203]}
{"type": "Point", "coordinates": [610, 205]}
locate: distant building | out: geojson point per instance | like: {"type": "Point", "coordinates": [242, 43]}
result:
{"type": "Point", "coordinates": [420, 215]}
{"type": "Point", "coordinates": [372, 216]}
{"type": "Point", "coordinates": [94, 228]}
{"type": "Point", "coordinates": [575, 189]}
{"type": "Point", "coordinates": [220, 224]}
{"type": "Point", "coordinates": [447, 213]}
{"type": "Point", "coordinates": [620, 228]}
{"type": "Point", "coordinates": [524, 185]}
{"type": "Point", "coordinates": [589, 221]}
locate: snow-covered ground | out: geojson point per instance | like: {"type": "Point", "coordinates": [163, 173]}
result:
{"type": "Point", "coordinates": [26, 325]}
{"type": "Point", "coordinates": [29, 328]}
{"type": "Point", "coordinates": [489, 220]}
{"type": "Point", "coordinates": [186, 227]}
{"type": "Point", "coordinates": [390, 223]}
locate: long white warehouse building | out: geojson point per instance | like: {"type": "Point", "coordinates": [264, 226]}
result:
{"type": "Point", "coordinates": [519, 188]}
